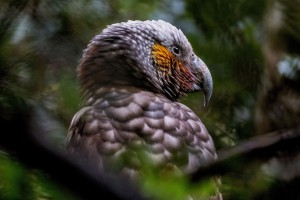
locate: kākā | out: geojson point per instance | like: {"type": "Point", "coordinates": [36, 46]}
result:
{"type": "Point", "coordinates": [132, 76]}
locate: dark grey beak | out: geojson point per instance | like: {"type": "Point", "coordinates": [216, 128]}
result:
{"type": "Point", "coordinates": [207, 85]}
{"type": "Point", "coordinates": [205, 80]}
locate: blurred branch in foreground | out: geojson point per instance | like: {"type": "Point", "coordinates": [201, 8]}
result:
{"type": "Point", "coordinates": [259, 148]}
{"type": "Point", "coordinates": [22, 140]}
{"type": "Point", "coordinates": [259, 156]}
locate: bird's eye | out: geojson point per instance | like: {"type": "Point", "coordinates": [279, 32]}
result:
{"type": "Point", "coordinates": [176, 50]}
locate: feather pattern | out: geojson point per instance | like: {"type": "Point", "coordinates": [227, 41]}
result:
{"type": "Point", "coordinates": [132, 75]}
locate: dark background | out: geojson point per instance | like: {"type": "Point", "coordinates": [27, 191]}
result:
{"type": "Point", "coordinates": [251, 48]}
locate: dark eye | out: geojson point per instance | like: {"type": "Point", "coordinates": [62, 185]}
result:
{"type": "Point", "coordinates": [176, 50]}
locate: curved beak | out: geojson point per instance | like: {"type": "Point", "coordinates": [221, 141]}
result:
{"type": "Point", "coordinates": [204, 80]}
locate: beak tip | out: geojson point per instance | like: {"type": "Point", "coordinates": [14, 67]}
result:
{"type": "Point", "coordinates": [207, 88]}
{"type": "Point", "coordinates": [205, 102]}
{"type": "Point", "coordinates": [207, 96]}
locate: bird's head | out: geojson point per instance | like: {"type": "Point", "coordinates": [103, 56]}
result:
{"type": "Point", "coordinates": [153, 55]}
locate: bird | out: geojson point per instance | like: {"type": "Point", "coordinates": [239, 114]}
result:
{"type": "Point", "coordinates": [132, 76]}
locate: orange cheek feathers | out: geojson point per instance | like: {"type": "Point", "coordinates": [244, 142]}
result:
{"type": "Point", "coordinates": [162, 58]}
{"type": "Point", "coordinates": [171, 67]}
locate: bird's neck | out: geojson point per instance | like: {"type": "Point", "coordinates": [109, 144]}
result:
{"type": "Point", "coordinates": [109, 90]}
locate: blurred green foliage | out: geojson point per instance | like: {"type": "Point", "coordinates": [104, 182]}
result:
{"type": "Point", "coordinates": [41, 43]}
{"type": "Point", "coordinates": [17, 182]}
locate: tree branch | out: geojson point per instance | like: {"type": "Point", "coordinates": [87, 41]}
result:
{"type": "Point", "coordinates": [259, 148]}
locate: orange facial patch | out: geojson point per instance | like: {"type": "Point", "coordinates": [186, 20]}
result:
{"type": "Point", "coordinates": [163, 58]}
{"type": "Point", "coordinates": [170, 66]}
